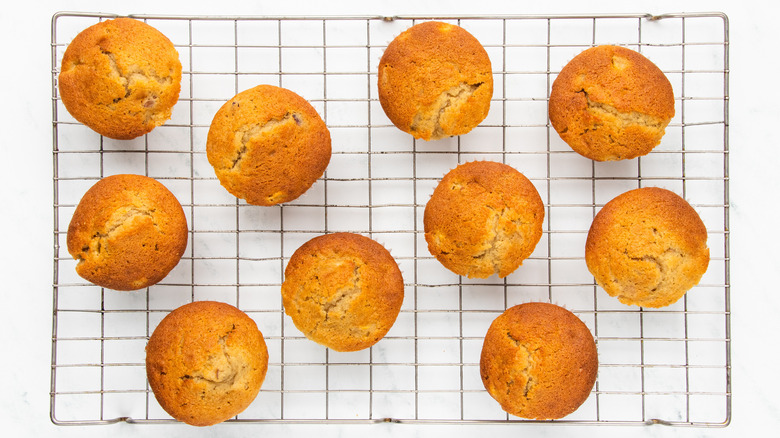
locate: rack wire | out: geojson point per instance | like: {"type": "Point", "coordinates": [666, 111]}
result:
{"type": "Point", "coordinates": [657, 366]}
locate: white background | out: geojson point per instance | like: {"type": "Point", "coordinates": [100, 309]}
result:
{"type": "Point", "coordinates": [27, 197]}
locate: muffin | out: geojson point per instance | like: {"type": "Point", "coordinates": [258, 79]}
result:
{"type": "Point", "coordinates": [206, 362]}
{"type": "Point", "coordinates": [127, 233]}
{"type": "Point", "coordinates": [121, 78]}
{"type": "Point", "coordinates": [435, 80]}
{"type": "Point", "coordinates": [483, 218]}
{"type": "Point", "coordinates": [611, 103]}
{"type": "Point", "coordinates": [539, 361]}
{"type": "Point", "coordinates": [647, 247]}
{"type": "Point", "coordinates": [268, 145]}
{"type": "Point", "coordinates": [343, 291]}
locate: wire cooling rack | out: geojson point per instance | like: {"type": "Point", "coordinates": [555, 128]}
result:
{"type": "Point", "coordinates": [669, 366]}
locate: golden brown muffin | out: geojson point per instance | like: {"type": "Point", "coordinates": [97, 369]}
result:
{"type": "Point", "coordinates": [127, 233]}
{"type": "Point", "coordinates": [611, 103]}
{"type": "Point", "coordinates": [343, 291]}
{"type": "Point", "coordinates": [483, 218]}
{"type": "Point", "coordinates": [268, 145]}
{"type": "Point", "coordinates": [121, 78]}
{"type": "Point", "coordinates": [435, 81]}
{"type": "Point", "coordinates": [206, 362]}
{"type": "Point", "coordinates": [647, 247]}
{"type": "Point", "coordinates": [539, 361]}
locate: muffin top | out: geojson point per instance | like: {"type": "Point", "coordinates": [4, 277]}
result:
{"type": "Point", "coordinates": [611, 103]}
{"type": "Point", "coordinates": [206, 362]}
{"type": "Point", "coordinates": [435, 80]}
{"type": "Point", "coordinates": [539, 361]}
{"type": "Point", "coordinates": [647, 247]}
{"type": "Point", "coordinates": [127, 232]}
{"type": "Point", "coordinates": [483, 218]}
{"type": "Point", "coordinates": [268, 145]}
{"type": "Point", "coordinates": [120, 77]}
{"type": "Point", "coordinates": [343, 291]}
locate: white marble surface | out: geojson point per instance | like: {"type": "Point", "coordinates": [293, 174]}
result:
{"type": "Point", "coordinates": [27, 194]}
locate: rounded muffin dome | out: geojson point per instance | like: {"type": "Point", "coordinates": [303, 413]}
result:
{"type": "Point", "coordinates": [206, 362]}
{"type": "Point", "coordinates": [647, 247]}
{"type": "Point", "coordinates": [539, 361]}
{"type": "Point", "coordinates": [121, 78]}
{"type": "Point", "coordinates": [268, 145]}
{"type": "Point", "coordinates": [611, 103]}
{"type": "Point", "coordinates": [127, 232]}
{"type": "Point", "coordinates": [343, 291]}
{"type": "Point", "coordinates": [483, 218]}
{"type": "Point", "coordinates": [435, 80]}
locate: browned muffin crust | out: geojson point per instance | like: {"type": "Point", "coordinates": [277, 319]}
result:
{"type": "Point", "coordinates": [611, 103]}
{"type": "Point", "coordinates": [647, 247]}
{"type": "Point", "coordinates": [121, 78]}
{"type": "Point", "coordinates": [435, 80]}
{"type": "Point", "coordinates": [539, 361]}
{"type": "Point", "coordinates": [483, 218]}
{"type": "Point", "coordinates": [268, 145]}
{"type": "Point", "coordinates": [206, 362]}
{"type": "Point", "coordinates": [128, 232]}
{"type": "Point", "coordinates": [343, 290]}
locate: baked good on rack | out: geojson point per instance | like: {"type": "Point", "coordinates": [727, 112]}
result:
{"type": "Point", "coordinates": [127, 232]}
{"type": "Point", "coordinates": [647, 247]}
{"type": "Point", "coordinates": [483, 218]}
{"type": "Point", "coordinates": [120, 77]}
{"type": "Point", "coordinates": [268, 145]}
{"type": "Point", "coordinates": [435, 81]}
{"type": "Point", "coordinates": [343, 291]}
{"type": "Point", "coordinates": [611, 103]}
{"type": "Point", "coordinates": [539, 361]}
{"type": "Point", "coordinates": [206, 362]}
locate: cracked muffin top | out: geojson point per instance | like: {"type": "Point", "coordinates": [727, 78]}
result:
{"type": "Point", "coordinates": [121, 78]}
{"type": "Point", "coordinates": [343, 291]}
{"type": "Point", "coordinates": [539, 361]}
{"type": "Point", "coordinates": [206, 362]}
{"type": "Point", "coordinates": [611, 103]}
{"type": "Point", "coordinates": [435, 80]}
{"type": "Point", "coordinates": [647, 247]}
{"type": "Point", "coordinates": [127, 232]}
{"type": "Point", "coordinates": [268, 145]}
{"type": "Point", "coordinates": [483, 218]}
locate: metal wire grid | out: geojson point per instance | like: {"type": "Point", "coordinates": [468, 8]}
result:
{"type": "Point", "coordinates": [669, 366]}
